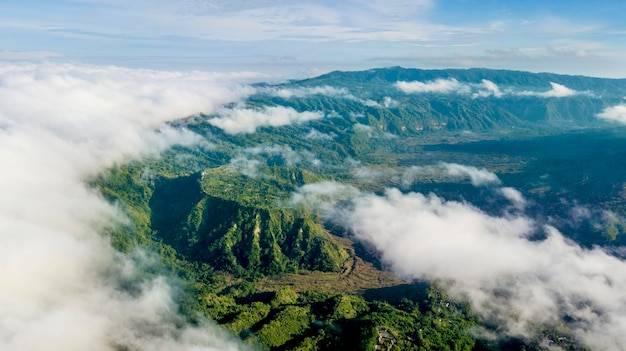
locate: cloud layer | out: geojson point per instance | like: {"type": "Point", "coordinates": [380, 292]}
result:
{"type": "Point", "coordinates": [488, 88]}
{"type": "Point", "coordinates": [478, 177]}
{"type": "Point", "coordinates": [439, 172]}
{"type": "Point", "coordinates": [321, 196]}
{"type": "Point", "coordinates": [250, 161]}
{"type": "Point", "coordinates": [437, 86]}
{"type": "Point", "coordinates": [60, 278]}
{"type": "Point", "coordinates": [325, 90]}
{"type": "Point", "coordinates": [614, 113]}
{"type": "Point", "coordinates": [244, 120]}
{"type": "Point", "coordinates": [558, 90]}
{"type": "Point", "coordinates": [513, 282]}
{"type": "Point", "coordinates": [485, 88]}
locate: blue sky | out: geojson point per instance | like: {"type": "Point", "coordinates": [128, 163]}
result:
{"type": "Point", "coordinates": [299, 38]}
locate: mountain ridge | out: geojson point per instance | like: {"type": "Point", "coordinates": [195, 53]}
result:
{"type": "Point", "coordinates": [395, 73]}
{"type": "Point", "coordinates": [474, 100]}
{"type": "Point", "coordinates": [224, 213]}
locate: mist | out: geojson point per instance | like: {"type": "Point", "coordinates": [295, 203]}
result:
{"type": "Point", "coordinates": [484, 89]}
{"type": "Point", "coordinates": [246, 121]}
{"type": "Point", "coordinates": [60, 277]}
{"type": "Point", "coordinates": [514, 283]}
{"type": "Point", "coordinates": [615, 113]}
{"type": "Point", "coordinates": [437, 86]}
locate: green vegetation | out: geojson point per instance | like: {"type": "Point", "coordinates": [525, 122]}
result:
{"type": "Point", "coordinates": [254, 313]}
{"type": "Point", "coordinates": [199, 235]}
{"type": "Point", "coordinates": [271, 271]}
{"type": "Point", "coordinates": [286, 324]}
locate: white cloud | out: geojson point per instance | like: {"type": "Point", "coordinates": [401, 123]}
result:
{"type": "Point", "coordinates": [245, 166]}
{"type": "Point", "coordinates": [371, 174]}
{"type": "Point", "coordinates": [251, 160]}
{"type": "Point", "coordinates": [307, 20]}
{"type": "Point", "coordinates": [443, 226]}
{"type": "Point", "coordinates": [243, 120]}
{"type": "Point", "coordinates": [289, 155]}
{"type": "Point", "coordinates": [323, 195]}
{"type": "Point", "coordinates": [579, 213]}
{"type": "Point", "coordinates": [60, 278]}
{"type": "Point", "coordinates": [225, 32]}
{"type": "Point", "coordinates": [614, 113]}
{"type": "Point", "coordinates": [512, 281]}
{"type": "Point", "coordinates": [485, 89]}
{"type": "Point", "coordinates": [358, 127]}
{"type": "Point", "coordinates": [370, 103]}
{"type": "Point", "coordinates": [478, 177]}
{"type": "Point", "coordinates": [325, 90]}
{"type": "Point", "coordinates": [513, 195]}
{"type": "Point", "coordinates": [390, 103]}
{"type": "Point", "coordinates": [490, 89]}
{"type": "Point", "coordinates": [450, 85]}
{"type": "Point", "coordinates": [557, 90]}
{"type": "Point", "coordinates": [316, 134]}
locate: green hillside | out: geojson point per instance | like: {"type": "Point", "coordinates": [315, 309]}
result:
{"type": "Point", "coordinates": [417, 113]}
{"type": "Point", "coordinates": [275, 272]}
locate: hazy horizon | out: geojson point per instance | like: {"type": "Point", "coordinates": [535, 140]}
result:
{"type": "Point", "coordinates": [308, 38]}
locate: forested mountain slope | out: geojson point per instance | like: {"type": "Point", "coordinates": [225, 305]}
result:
{"type": "Point", "coordinates": [250, 216]}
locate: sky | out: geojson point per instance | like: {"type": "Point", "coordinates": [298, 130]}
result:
{"type": "Point", "coordinates": [296, 39]}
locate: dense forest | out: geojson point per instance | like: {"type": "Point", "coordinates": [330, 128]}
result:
{"type": "Point", "coordinates": [241, 220]}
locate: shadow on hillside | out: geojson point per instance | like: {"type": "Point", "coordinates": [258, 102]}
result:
{"type": "Point", "coordinates": [171, 202]}
{"type": "Point", "coordinates": [415, 291]}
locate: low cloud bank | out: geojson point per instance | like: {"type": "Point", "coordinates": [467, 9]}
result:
{"type": "Point", "coordinates": [321, 196]}
{"type": "Point", "coordinates": [317, 135]}
{"type": "Point", "coordinates": [450, 85]}
{"type": "Point", "coordinates": [514, 196]}
{"type": "Point", "coordinates": [251, 161]}
{"type": "Point", "coordinates": [488, 88]}
{"type": "Point", "coordinates": [244, 120]}
{"type": "Point", "coordinates": [245, 166]}
{"type": "Point", "coordinates": [478, 177]}
{"type": "Point", "coordinates": [558, 90]}
{"type": "Point", "coordinates": [61, 280]}
{"type": "Point", "coordinates": [513, 282]}
{"type": "Point", "coordinates": [614, 113]}
{"type": "Point", "coordinates": [326, 90]}
{"type": "Point", "coordinates": [390, 103]}
{"type": "Point", "coordinates": [440, 172]}
{"type": "Point", "coordinates": [288, 155]}
{"type": "Point", "coordinates": [484, 89]}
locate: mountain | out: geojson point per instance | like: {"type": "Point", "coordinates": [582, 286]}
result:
{"type": "Point", "coordinates": [193, 215]}
{"type": "Point", "coordinates": [457, 100]}
{"type": "Point", "coordinates": [506, 78]}
{"type": "Point", "coordinates": [243, 218]}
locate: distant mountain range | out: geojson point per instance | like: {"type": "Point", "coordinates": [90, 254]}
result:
{"type": "Point", "coordinates": [413, 101]}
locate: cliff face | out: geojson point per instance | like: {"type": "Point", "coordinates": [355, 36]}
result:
{"type": "Point", "coordinates": [238, 238]}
